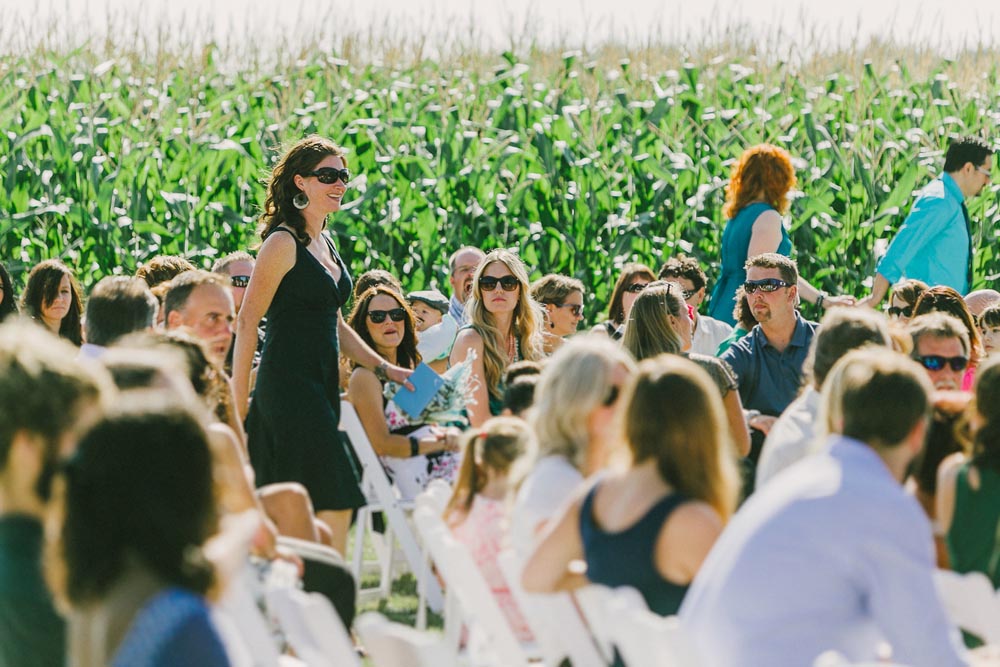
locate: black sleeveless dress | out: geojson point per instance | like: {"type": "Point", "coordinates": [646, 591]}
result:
{"type": "Point", "coordinates": [293, 423]}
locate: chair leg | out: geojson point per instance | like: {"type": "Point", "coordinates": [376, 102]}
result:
{"type": "Point", "coordinates": [360, 528]}
{"type": "Point", "coordinates": [385, 582]}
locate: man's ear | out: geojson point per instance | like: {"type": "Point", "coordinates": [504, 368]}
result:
{"type": "Point", "coordinates": [174, 319]}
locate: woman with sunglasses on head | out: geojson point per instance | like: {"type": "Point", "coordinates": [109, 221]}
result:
{"type": "Point", "coordinates": [562, 299]}
{"type": "Point", "coordinates": [301, 283]}
{"type": "Point", "coordinates": [649, 525]}
{"type": "Point", "coordinates": [504, 327]}
{"type": "Point", "coordinates": [574, 416]}
{"type": "Point", "coordinates": [661, 324]}
{"type": "Point", "coordinates": [943, 299]}
{"type": "Point", "coordinates": [631, 281]}
{"type": "Point", "coordinates": [52, 297]}
{"type": "Point", "coordinates": [414, 454]}
{"type": "Point", "coordinates": [756, 198]}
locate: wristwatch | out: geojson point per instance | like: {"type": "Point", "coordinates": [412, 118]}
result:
{"type": "Point", "coordinates": [380, 371]}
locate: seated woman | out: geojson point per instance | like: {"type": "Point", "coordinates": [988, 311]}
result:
{"type": "Point", "coordinates": [52, 297]}
{"type": "Point", "coordinates": [504, 328]}
{"type": "Point", "coordinates": [413, 454]}
{"type": "Point", "coordinates": [651, 524]}
{"type": "Point", "coordinates": [574, 417]}
{"type": "Point", "coordinates": [562, 299]}
{"type": "Point", "coordinates": [139, 508]}
{"type": "Point", "coordinates": [631, 281]}
{"type": "Point", "coordinates": [660, 324]}
{"type": "Point", "coordinates": [904, 296]}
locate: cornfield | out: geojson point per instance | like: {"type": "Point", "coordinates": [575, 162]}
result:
{"type": "Point", "coordinates": [582, 162]}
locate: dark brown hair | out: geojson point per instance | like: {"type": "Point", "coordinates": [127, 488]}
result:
{"type": "Point", "coordinates": [631, 271]}
{"type": "Point", "coordinates": [42, 290]}
{"type": "Point", "coordinates": [407, 355]}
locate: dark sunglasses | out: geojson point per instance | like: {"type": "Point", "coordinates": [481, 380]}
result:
{"type": "Point", "coordinates": [508, 283]}
{"type": "Point", "coordinates": [688, 293]}
{"type": "Point", "coordinates": [766, 285]}
{"type": "Point", "coordinates": [378, 316]}
{"type": "Point", "coordinates": [329, 175]}
{"type": "Point", "coordinates": [935, 363]}
{"type": "Point", "coordinates": [239, 281]}
{"type": "Point", "coordinates": [635, 288]}
{"type": "Point", "coordinates": [612, 396]}
{"type": "Point", "coordinates": [573, 308]}
{"type": "Point", "coordinates": [900, 312]}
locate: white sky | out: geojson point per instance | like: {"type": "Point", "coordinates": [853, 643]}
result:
{"type": "Point", "coordinates": [577, 22]}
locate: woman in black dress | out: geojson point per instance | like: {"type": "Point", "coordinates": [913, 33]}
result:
{"type": "Point", "coordinates": [301, 283]}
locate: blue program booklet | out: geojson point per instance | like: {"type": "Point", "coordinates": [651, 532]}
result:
{"type": "Point", "coordinates": [426, 384]}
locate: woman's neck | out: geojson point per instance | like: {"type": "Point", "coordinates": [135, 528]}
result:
{"type": "Point", "coordinates": [504, 323]}
{"type": "Point", "coordinates": [496, 486]}
{"type": "Point", "coordinates": [314, 224]}
{"type": "Point", "coordinates": [387, 353]}
{"type": "Point", "coordinates": [50, 324]}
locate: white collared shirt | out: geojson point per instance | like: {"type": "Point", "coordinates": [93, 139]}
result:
{"type": "Point", "coordinates": [792, 438]}
{"type": "Point", "coordinates": [708, 335]}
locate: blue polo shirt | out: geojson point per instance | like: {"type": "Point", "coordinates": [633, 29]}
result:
{"type": "Point", "coordinates": [768, 379]}
{"type": "Point", "coordinates": [933, 244]}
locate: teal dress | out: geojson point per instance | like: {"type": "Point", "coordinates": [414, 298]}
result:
{"type": "Point", "coordinates": [735, 244]}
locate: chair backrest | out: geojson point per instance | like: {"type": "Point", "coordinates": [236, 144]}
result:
{"type": "Point", "coordinates": [435, 496]}
{"type": "Point", "coordinates": [395, 645]}
{"type": "Point", "coordinates": [246, 631]}
{"type": "Point", "coordinates": [313, 628]}
{"type": "Point", "coordinates": [971, 602]}
{"type": "Point", "coordinates": [644, 638]}
{"type": "Point", "coordinates": [464, 580]}
{"type": "Point", "coordinates": [554, 620]}
{"type": "Point", "coordinates": [594, 601]}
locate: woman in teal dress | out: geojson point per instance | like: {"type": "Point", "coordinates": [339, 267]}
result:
{"type": "Point", "coordinates": [756, 198]}
{"type": "Point", "coordinates": [301, 283]}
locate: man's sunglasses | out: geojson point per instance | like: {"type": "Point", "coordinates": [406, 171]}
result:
{"type": "Point", "coordinates": [635, 288]}
{"type": "Point", "coordinates": [576, 309]}
{"type": "Point", "coordinates": [935, 363]}
{"type": "Point", "coordinates": [900, 312]}
{"type": "Point", "coordinates": [765, 285]}
{"type": "Point", "coordinates": [330, 175]}
{"type": "Point", "coordinates": [378, 316]}
{"type": "Point", "coordinates": [688, 293]}
{"type": "Point", "coordinates": [239, 281]}
{"type": "Point", "coordinates": [508, 283]}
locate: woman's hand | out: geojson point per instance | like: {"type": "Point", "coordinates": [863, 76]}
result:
{"type": "Point", "coordinates": [843, 300]}
{"type": "Point", "coordinates": [399, 375]}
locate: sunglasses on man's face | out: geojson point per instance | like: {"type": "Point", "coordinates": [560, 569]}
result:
{"type": "Point", "coordinates": [688, 293]}
{"type": "Point", "coordinates": [239, 281]}
{"type": "Point", "coordinates": [766, 285]}
{"type": "Point", "coordinates": [378, 316]}
{"type": "Point", "coordinates": [635, 288]}
{"type": "Point", "coordinates": [489, 283]}
{"type": "Point", "coordinates": [900, 312]}
{"type": "Point", "coordinates": [330, 175]}
{"type": "Point", "coordinates": [935, 363]}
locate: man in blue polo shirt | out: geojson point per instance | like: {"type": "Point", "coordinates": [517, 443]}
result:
{"type": "Point", "coordinates": [935, 242]}
{"type": "Point", "coordinates": [768, 360]}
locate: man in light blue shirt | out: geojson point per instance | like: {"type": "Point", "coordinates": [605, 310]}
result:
{"type": "Point", "coordinates": [833, 554]}
{"type": "Point", "coordinates": [935, 242]}
{"type": "Point", "coordinates": [461, 266]}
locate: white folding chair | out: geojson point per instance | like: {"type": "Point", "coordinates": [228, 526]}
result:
{"type": "Point", "coordinates": [382, 498]}
{"type": "Point", "coordinates": [554, 621]}
{"type": "Point", "coordinates": [971, 602]}
{"type": "Point", "coordinates": [395, 645]}
{"type": "Point", "coordinates": [313, 628]}
{"type": "Point", "coordinates": [644, 638]}
{"type": "Point", "coordinates": [594, 602]}
{"type": "Point", "coordinates": [491, 639]}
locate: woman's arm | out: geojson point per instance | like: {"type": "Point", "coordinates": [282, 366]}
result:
{"type": "Point", "coordinates": [547, 570]}
{"type": "Point", "coordinates": [765, 234]}
{"type": "Point", "coordinates": [275, 259]}
{"type": "Point", "coordinates": [352, 346]}
{"type": "Point", "coordinates": [947, 480]}
{"type": "Point", "coordinates": [737, 423]}
{"type": "Point", "coordinates": [466, 341]}
{"type": "Point", "coordinates": [364, 391]}
{"type": "Point", "coordinates": [685, 540]}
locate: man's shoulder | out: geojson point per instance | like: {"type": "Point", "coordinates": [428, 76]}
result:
{"type": "Point", "coordinates": [935, 195]}
{"type": "Point", "coordinates": [714, 327]}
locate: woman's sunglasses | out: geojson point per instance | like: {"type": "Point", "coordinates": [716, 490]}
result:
{"type": "Point", "coordinates": [635, 288]}
{"type": "Point", "coordinates": [378, 316]}
{"type": "Point", "coordinates": [576, 309]}
{"type": "Point", "coordinates": [329, 175]}
{"type": "Point", "coordinates": [508, 283]}
{"type": "Point", "coordinates": [900, 312]}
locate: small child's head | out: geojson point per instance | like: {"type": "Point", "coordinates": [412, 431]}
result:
{"type": "Point", "coordinates": [488, 450]}
{"type": "Point", "coordinates": [428, 306]}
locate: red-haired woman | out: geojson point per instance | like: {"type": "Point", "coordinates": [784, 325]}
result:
{"type": "Point", "coordinates": [756, 198]}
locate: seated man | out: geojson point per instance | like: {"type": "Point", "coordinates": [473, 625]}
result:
{"type": "Point", "coordinates": [708, 332]}
{"type": "Point", "coordinates": [47, 398]}
{"type": "Point", "coordinates": [941, 346]}
{"type": "Point", "coordinates": [202, 302]}
{"type": "Point", "coordinates": [117, 305]}
{"type": "Point", "coordinates": [834, 554]}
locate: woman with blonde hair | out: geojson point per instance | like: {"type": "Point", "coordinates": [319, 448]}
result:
{"type": "Point", "coordinates": [756, 198]}
{"type": "Point", "coordinates": [651, 525]}
{"type": "Point", "coordinates": [661, 324]}
{"type": "Point", "coordinates": [575, 421]}
{"type": "Point", "coordinates": [504, 327]}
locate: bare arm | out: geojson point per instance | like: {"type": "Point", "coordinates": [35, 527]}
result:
{"type": "Point", "coordinates": [765, 235]}
{"type": "Point", "coordinates": [276, 258]}
{"type": "Point", "coordinates": [880, 286]}
{"type": "Point", "coordinates": [685, 540]}
{"type": "Point", "coordinates": [470, 340]}
{"type": "Point", "coordinates": [548, 568]}
{"type": "Point", "coordinates": [947, 479]}
{"type": "Point", "coordinates": [737, 423]}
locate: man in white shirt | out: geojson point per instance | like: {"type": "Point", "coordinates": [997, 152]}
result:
{"type": "Point", "coordinates": [793, 436]}
{"type": "Point", "coordinates": [835, 556]}
{"type": "Point", "coordinates": [708, 333]}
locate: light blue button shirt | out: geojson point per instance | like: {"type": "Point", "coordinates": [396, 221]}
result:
{"type": "Point", "coordinates": [832, 554]}
{"type": "Point", "coordinates": [933, 243]}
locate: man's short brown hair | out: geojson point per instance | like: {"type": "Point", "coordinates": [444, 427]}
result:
{"type": "Point", "coordinates": [772, 260]}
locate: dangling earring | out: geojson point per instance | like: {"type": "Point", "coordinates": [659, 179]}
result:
{"type": "Point", "coordinates": [300, 201]}
{"type": "Point", "coordinates": [552, 325]}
